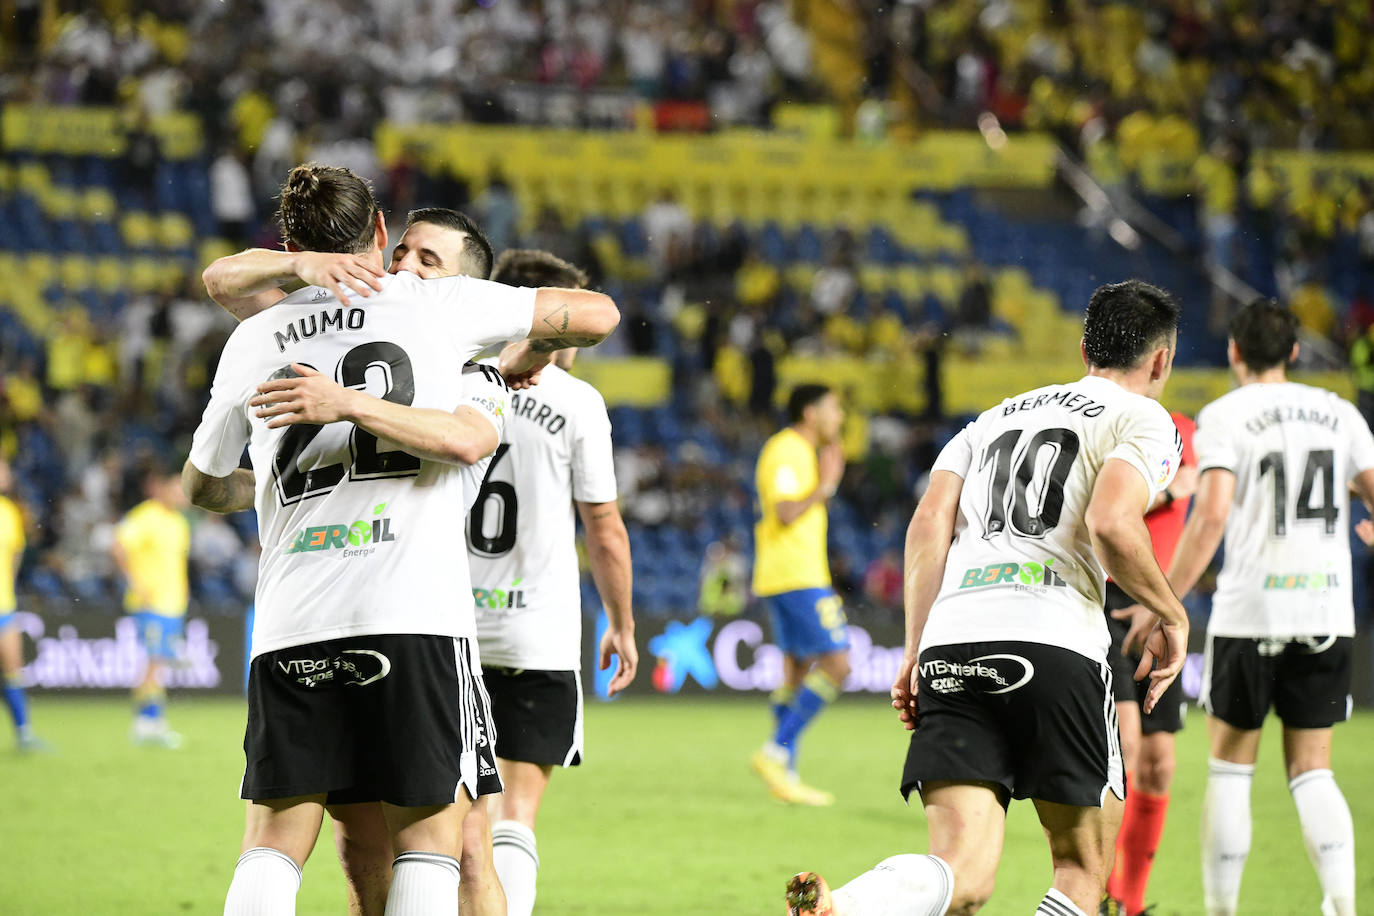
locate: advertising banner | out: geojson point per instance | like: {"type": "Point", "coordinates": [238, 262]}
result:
{"type": "Point", "coordinates": [99, 649]}
{"type": "Point", "coordinates": [736, 657]}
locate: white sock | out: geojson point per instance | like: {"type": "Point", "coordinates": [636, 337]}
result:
{"type": "Point", "coordinates": [918, 885]}
{"type": "Point", "coordinates": [516, 857]}
{"type": "Point", "coordinates": [1057, 903]}
{"type": "Point", "coordinates": [1225, 833]}
{"type": "Point", "coordinates": [423, 884]}
{"type": "Point", "coordinates": [265, 884]}
{"type": "Point", "coordinates": [1329, 835]}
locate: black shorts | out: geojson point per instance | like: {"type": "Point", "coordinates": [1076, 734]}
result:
{"type": "Point", "coordinates": [1305, 679]}
{"type": "Point", "coordinates": [538, 715]}
{"type": "Point", "coordinates": [1037, 720]}
{"type": "Point", "coordinates": [395, 718]}
{"type": "Point", "coordinates": [1169, 711]}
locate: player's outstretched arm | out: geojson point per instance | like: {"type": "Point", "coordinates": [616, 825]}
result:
{"type": "Point", "coordinates": [1116, 524]}
{"type": "Point", "coordinates": [463, 436]}
{"type": "Point", "coordinates": [928, 538]}
{"type": "Point", "coordinates": [608, 554]}
{"type": "Point", "coordinates": [252, 281]}
{"type": "Point", "coordinates": [563, 318]}
{"type": "Point", "coordinates": [218, 494]}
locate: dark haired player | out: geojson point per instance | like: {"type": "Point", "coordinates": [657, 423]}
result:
{"type": "Point", "coordinates": [555, 455]}
{"type": "Point", "coordinates": [798, 471]}
{"type": "Point", "coordinates": [1005, 678]}
{"type": "Point", "coordinates": [350, 628]}
{"type": "Point", "coordinates": [1277, 459]}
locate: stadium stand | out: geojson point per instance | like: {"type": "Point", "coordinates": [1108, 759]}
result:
{"type": "Point", "coordinates": [912, 272]}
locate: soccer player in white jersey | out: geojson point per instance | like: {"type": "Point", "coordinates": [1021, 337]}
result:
{"type": "Point", "coordinates": [1277, 459]}
{"type": "Point", "coordinates": [1005, 677]}
{"type": "Point", "coordinates": [350, 626]}
{"type": "Point", "coordinates": [437, 242]}
{"type": "Point", "coordinates": [555, 453]}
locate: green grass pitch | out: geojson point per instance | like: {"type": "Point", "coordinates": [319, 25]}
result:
{"type": "Point", "coordinates": [664, 817]}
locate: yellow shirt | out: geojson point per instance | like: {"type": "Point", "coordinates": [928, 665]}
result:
{"type": "Point", "coordinates": [11, 546]}
{"type": "Point", "coordinates": [789, 557]}
{"type": "Point", "coordinates": [156, 542]}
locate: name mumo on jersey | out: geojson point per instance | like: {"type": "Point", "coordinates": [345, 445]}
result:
{"type": "Point", "coordinates": [320, 322]}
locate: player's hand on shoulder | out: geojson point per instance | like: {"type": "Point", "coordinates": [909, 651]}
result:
{"type": "Point", "coordinates": [521, 364]}
{"type": "Point", "coordinates": [904, 688]}
{"type": "Point", "coordinates": [339, 273]}
{"type": "Point", "coordinates": [1142, 621]}
{"type": "Point", "coordinates": [830, 466]}
{"type": "Point", "coordinates": [309, 397]}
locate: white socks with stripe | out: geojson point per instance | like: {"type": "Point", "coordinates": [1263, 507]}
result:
{"type": "Point", "coordinates": [1225, 833]}
{"type": "Point", "coordinates": [265, 884]}
{"type": "Point", "coordinates": [1329, 834]}
{"type": "Point", "coordinates": [516, 857]}
{"type": "Point", "coordinates": [423, 884]}
{"type": "Point", "coordinates": [918, 885]}
{"type": "Point", "coordinates": [1057, 903]}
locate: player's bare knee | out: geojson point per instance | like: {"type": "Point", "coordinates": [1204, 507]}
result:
{"type": "Point", "coordinates": [970, 895]}
{"type": "Point", "coordinates": [1155, 772]}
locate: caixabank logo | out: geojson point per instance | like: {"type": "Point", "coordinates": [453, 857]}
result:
{"type": "Point", "coordinates": [736, 656]}
{"type": "Point", "coordinates": [356, 539]}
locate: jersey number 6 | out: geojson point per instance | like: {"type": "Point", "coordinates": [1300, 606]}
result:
{"type": "Point", "coordinates": [502, 540]}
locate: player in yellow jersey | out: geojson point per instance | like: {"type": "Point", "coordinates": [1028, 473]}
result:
{"type": "Point", "coordinates": [799, 469]}
{"type": "Point", "coordinates": [11, 655]}
{"type": "Point", "coordinates": [152, 543]}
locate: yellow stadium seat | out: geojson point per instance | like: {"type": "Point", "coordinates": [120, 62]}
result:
{"type": "Point", "coordinates": [97, 205]}
{"type": "Point", "coordinates": [212, 250]}
{"type": "Point", "coordinates": [138, 228]}
{"type": "Point", "coordinates": [75, 272]}
{"type": "Point", "coordinates": [144, 275]}
{"type": "Point", "coordinates": [174, 231]}
{"type": "Point", "coordinates": [40, 269]}
{"type": "Point", "coordinates": [109, 274]}
{"type": "Point", "coordinates": [800, 276]}
{"type": "Point", "coordinates": [875, 279]}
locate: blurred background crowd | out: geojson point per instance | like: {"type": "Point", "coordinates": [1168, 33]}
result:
{"type": "Point", "coordinates": [1190, 119]}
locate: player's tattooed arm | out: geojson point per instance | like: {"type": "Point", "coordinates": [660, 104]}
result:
{"type": "Point", "coordinates": [218, 494]}
{"type": "Point", "coordinates": [571, 318]}
{"type": "Point", "coordinates": [257, 279]}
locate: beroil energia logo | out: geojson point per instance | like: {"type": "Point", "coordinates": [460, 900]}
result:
{"type": "Point", "coordinates": [358, 539]}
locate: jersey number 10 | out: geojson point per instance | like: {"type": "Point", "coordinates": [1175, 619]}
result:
{"type": "Point", "coordinates": [1000, 454]}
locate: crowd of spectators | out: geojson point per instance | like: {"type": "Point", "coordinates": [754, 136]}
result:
{"type": "Point", "coordinates": [1178, 103]}
{"type": "Point", "coordinates": [1146, 94]}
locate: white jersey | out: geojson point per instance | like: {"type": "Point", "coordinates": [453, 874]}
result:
{"type": "Point", "coordinates": [521, 535]}
{"type": "Point", "coordinates": [485, 391]}
{"type": "Point", "coordinates": [1022, 565]}
{"type": "Point", "coordinates": [356, 535]}
{"type": "Point", "coordinates": [1294, 450]}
